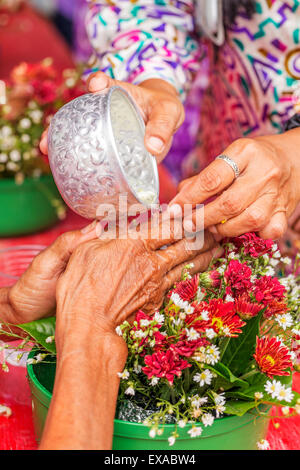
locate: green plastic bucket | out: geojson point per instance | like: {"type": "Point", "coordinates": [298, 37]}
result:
{"type": "Point", "coordinates": [229, 433]}
{"type": "Point", "coordinates": [28, 207]}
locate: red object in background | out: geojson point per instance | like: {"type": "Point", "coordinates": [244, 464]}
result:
{"type": "Point", "coordinates": [25, 36]}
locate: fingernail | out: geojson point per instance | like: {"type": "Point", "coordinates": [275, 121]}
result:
{"type": "Point", "coordinates": [156, 144]}
{"type": "Point", "coordinates": [97, 83]}
{"type": "Point", "coordinates": [89, 228]}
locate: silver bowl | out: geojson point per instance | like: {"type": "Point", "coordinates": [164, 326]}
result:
{"type": "Point", "coordinates": [97, 153]}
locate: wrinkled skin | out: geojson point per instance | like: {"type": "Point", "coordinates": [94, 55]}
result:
{"type": "Point", "coordinates": [114, 279]}
{"type": "Point", "coordinates": [34, 294]}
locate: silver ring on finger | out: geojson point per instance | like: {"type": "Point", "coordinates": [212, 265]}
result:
{"type": "Point", "coordinates": [231, 163]}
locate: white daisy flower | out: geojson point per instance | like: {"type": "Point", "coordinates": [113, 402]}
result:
{"type": "Point", "coordinates": [285, 394]}
{"type": "Point", "coordinates": [285, 320]}
{"type": "Point", "coordinates": [130, 391]}
{"type": "Point", "coordinates": [208, 419]}
{"type": "Point", "coordinates": [159, 318]}
{"type": "Point", "coordinates": [171, 440]}
{"type": "Point", "coordinates": [258, 395]}
{"type": "Point", "coordinates": [263, 444]}
{"type": "Point", "coordinates": [189, 309]}
{"type": "Point", "coordinates": [286, 260]}
{"type": "Point", "coordinates": [220, 399]}
{"type": "Point", "coordinates": [192, 334]}
{"type": "Point", "coordinates": [144, 323]}
{"type": "Point", "coordinates": [197, 402]}
{"type": "Point", "coordinates": [203, 378]}
{"type": "Point", "coordinates": [212, 354]}
{"type": "Point", "coordinates": [25, 123]}
{"type": "Point", "coordinates": [154, 381]}
{"type": "Point", "coordinates": [220, 410]}
{"type": "Point", "coordinates": [123, 375]}
{"type": "Point", "coordinates": [210, 333]}
{"type": "Point", "coordinates": [205, 315]}
{"type": "Point", "coordinates": [229, 298]}
{"type": "Point", "coordinates": [49, 339]}
{"type": "Point", "coordinates": [152, 433]}
{"type": "Point", "coordinates": [182, 423]}
{"type": "Point", "coordinates": [195, 432]}
{"type": "Point", "coordinates": [272, 388]}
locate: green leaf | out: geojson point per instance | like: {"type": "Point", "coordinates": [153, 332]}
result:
{"type": "Point", "coordinates": [228, 379]}
{"type": "Point", "coordinates": [239, 408]}
{"type": "Point", "coordinates": [40, 330]}
{"type": "Point", "coordinates": [240, 350]}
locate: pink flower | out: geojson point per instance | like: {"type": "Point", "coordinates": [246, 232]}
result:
{"type": "Point", "coordinates": [253, 245]}
{"type": "Point", "coordinates": [237, 276]}
{"type": "Point", "coordinates": [44, 91]}
{"type": "Point", "coordinates": [164, 365]}
{"type": "Point", "coordinates": [267, 289]}
{"type": "Point", "coordinates": [187, 348]}
{"type": "Point", "coordinates": [210, 279]}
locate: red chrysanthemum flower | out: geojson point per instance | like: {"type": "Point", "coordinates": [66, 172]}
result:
{"type": "Point", "coordinates": [246, 309]}
{"type": "Point", "coordinates": [186, 289]}
{"type": "Point", "coordinates": [187, 348]}
{"type": "Point", "coordinates": [164, 365]}
{"type": "Point", "coordinates": [237, 277]}
{"type": "Point", "coordinates": [253, 245]}
{"type": "Point", "coordinates": [44, 91]}
{"type": "Point", "coordinates": [272, 357]}
{"type": "Point", "coordinates": [196, 320]}
{"type": "Point", "coordinates": [267, 289]}
{"type": "Point", "coordinates": [223, 318]}
{"type": "Point", "coordinates": [276, 308]}
{"type": "Point", "coordinates": [210, 279]}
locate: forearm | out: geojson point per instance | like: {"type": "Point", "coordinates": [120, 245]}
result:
{"type": "Point", "coordinates": [83, 406]}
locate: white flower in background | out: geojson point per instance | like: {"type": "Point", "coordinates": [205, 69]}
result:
{"type": "Point", "coordinates": [286, 260]}
{"type": "Point", "coordinates": [49, 339]}
{"type": "Point", "coordinates": [274, 262]}
{"type": "Point", "coordinates": [171, 440]}
{"type": "Point", "coordinates": [203, 378]}
{"type": "Point", "coordinates": [177, 300]}
{"type": "Point", "coordinates": [39, 357]}
{"type": "Point", "coordinates": [285, 394]}
{"type": "Point", "coordinates": [221, 269]}
{"type": "Point", "coordinates": [195, 432]}
{"type": "Point", "coordinates": [6, 131]}
{"type": "Point", "coordinates": [204, 315]}
{"type": "Point", "coordinates": [220, 410]}
{"type": "Point", "coordinates": [197, 402]}
{"type": "Point", "coordinates": [152, 433]}
{"type": "Point", "coordinates": [272, 388]}
{"type": "Point", "coordinates": [154, 381]}
{"type": "Point", "coordinates": [130, 391]}
{"type": "Point", "coordinates": [137, 369]}
{"type": "Point", "coordinates": [232, 255]}
{"type": "Point", "coordinates": [266, 257]}
{"type": "Point", "coordinates": [229, 298]}
{"type": "Point", "coordinates": [144, 323]}
{"type": "Point", "coordinates": [220, 398]}
{"type": "Point", "coordinates": [140, 334]}
{"type": "Point", "coordinates": [258, 395]}
{"type": "Point", "coordinates": [285, 410]}
{"type": "Point", "coordinates": [208, 419]}
{"type": "Point", "coordinates": [269, 271]}
{"type": "Point", "coordinates": [36, 116]}
{"type": "Point", "coordinates": [25, 123]}
{"type": "Point", "coordinates": [210, 333]}
{"type": "Point", "coordinates": [5, 411]}
{"type": "Point", "coordinates": [192, 334]}
{"type": "Point", "coordinates": [119, 331]}
{"type": "Point", "coordinates": [3, 157]}
{"type": "Point", "coordinates": [25, 138]}
{"type": "Point", "coordinates": [123, 375]}
{"type": "Point", "coordinates": [159, 318]}
{"type": "Point", "coordinates": [12, 166]}
{"type": "Point", "coordinates": [263, 444]}
{"type": "Point", "coordinates": [285, 320]}
{"type": "Point", "coordinates": [181, 423]}
{"type": "Point", "coordinates": [189, 309]}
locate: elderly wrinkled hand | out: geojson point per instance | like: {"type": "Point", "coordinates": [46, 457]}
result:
{"type": "Point", "coordinates": [34, 294]}
{"type": "Point", "coordinates": [106, 282]}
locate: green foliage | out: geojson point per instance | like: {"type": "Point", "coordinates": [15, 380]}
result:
{"type": "Point", "coordinates": [40, 330]}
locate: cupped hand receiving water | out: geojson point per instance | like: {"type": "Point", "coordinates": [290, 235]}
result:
{"type": "Point", "coordinates": [106, 282]}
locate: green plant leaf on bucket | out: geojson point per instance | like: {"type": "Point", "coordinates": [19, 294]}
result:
{"type": "Point", "coordinates": [239, 408]}
{"type": "Point", "coordinates": [226, 378]}
{"type": "Point", "coordinates": [40, 330]}
{"type": "Point", "coordinates": [239, 351]}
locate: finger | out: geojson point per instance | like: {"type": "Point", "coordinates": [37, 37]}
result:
{"type": "Point", "coordinates": [54, 258]}
{"type": "Point", "coordinates": [253, 219]}
{"type": "Point", "coordinates": [164, 119]}
{"type": "Point", "coordinates": [183, 251]}
{"type": "Point", "coordinates": [200, 264]}
{"type": "Point", "coordinates": [276, 227]}
{"type": "Point", "coordinates": [232, 202]}
{"type": "Point", "coordinates": [215, 178]}
{"type": "Point", "coordinates": [44, 142]}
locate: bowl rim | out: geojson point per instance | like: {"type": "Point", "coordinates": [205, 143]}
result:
{"type": "Point", "coordinates": [137, 113]}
